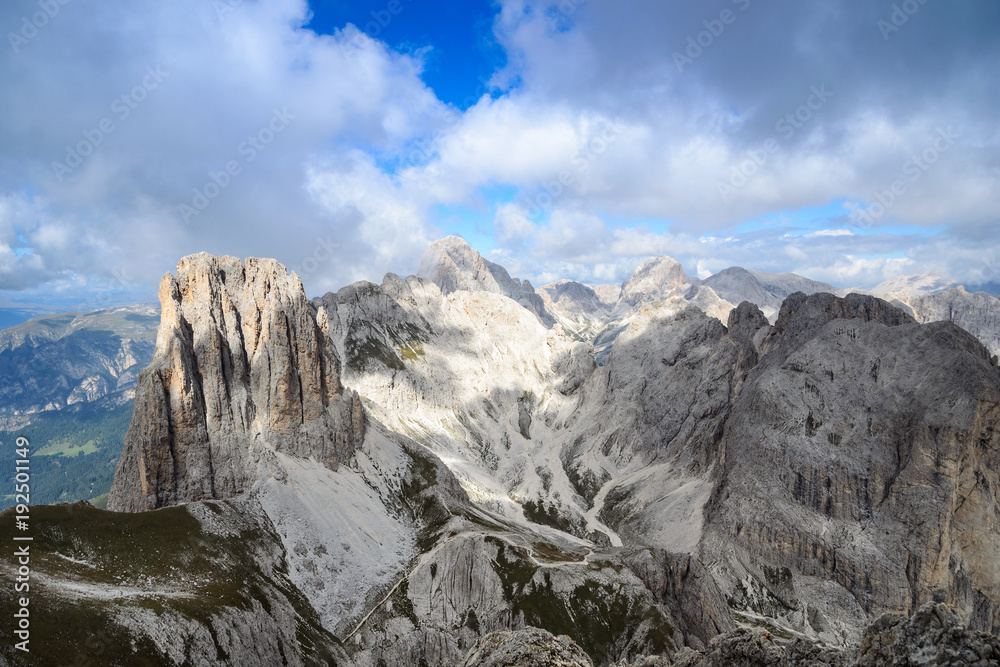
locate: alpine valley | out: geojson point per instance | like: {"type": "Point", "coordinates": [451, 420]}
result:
{"type": "Point", "coordinates": [457, 468]}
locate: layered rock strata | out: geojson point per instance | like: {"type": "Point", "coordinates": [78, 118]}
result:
{"type": "Point", "coordinates": [243, 367]}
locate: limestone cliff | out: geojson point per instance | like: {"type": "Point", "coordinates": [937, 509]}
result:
{"type": "Point", "coordinates": [862, 455]}
{"type": "Point", "coordinates": [243, 366]}
{"type": "Point", "coordinates": [976, 312]}
{"type": "Point", "coordinates": [453, 265]}
{"type": "Point", "coordinates": [654, 278]}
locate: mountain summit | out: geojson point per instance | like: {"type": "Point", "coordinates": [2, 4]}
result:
{"type": "Point", "coordinates": [241, 356]}
{"type": "Point", "coordinates": [452, 264]}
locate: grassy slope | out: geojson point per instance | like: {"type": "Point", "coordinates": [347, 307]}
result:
{"type": "Point", "coordinates": [164, 550]}
{"type": "Point", "coordinates": [73, 453]}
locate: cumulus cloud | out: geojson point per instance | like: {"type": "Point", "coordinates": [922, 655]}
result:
{"type": "Point", "coordinates": [152, 131]}
{"type": "Point", "coordinates": [134, 135]}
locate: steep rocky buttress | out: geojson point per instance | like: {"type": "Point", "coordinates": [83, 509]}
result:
{"type": "Point", "coordinates": [241, 357]}
{"type": "Point", "coordinates": [859, 470]}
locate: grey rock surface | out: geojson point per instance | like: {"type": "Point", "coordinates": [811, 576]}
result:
{"type": "Point", "coordinates": [243, 366]}
{"type": "Point", "coordinates": [654, 278]}
{"type": "Point", "coordinates": [933, 635]}
{"type": "Point", "coordinates": [530, 647]}
{"type": "Point", "coordinates": [976, 312]}
{"type": "Point", "coordinates": [766, 290]}
{"type": "Point", "coordinates": [710, 483]}
{"type": "Point", "coordinates": [454, 265]}
{"type": "Point", "coordinates": [842, 461]}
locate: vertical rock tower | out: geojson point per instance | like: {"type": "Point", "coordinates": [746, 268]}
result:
{"type": "Point", "coordinates": [243, 368]}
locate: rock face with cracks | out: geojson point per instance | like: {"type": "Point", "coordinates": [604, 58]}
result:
{"type": "Point", "coordinates": [453, 265]}
{"type": "Point", "coordinates": [243, 366]}
{"type": "Point", "coordinates": [862, 452]}
{"type": "Point", "coordinates": [526, 648]}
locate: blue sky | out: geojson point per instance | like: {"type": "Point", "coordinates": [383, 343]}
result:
{"type": "Point", "coordinates": [463, 53]}
{"type": "Point", "coordinates": [840, 139]}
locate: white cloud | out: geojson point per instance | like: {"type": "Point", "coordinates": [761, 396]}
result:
{"type": "Point", "coordinates": [830, 232]}
{"type": "Point", "coordinates": [591, 126]}
{"type": "Point", "coordinates": [218, 84]}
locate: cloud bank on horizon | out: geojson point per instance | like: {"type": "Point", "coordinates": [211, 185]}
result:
{"type": "Point", "coordinates": [845, 140]}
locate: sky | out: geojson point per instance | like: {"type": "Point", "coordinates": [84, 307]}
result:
{"type": "Point", "coordinates": [849, 141]}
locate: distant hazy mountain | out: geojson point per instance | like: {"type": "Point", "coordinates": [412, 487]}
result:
{"type": "Point", "coordinates": [66, 384]}
{"type": "Point", "coordinates": [913, 285]}
{"type": "Point", "coordinates": [10, 317]}
{"type": "Point", "coordinates": [455, 265]}
{"type": "Point", "coordinates": [765, 290]}
{"type": "Point", "coordinates": [53, 361]}
{"type": "Point", "coordinates": [575, 306]}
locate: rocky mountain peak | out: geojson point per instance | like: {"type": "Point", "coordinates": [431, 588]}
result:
{"type": "Point", "coordinates": [243, 366]}
{"type": "Point", "coordinates": [767, 290]}
{"type": "Point", "coordinates": [802, 314]}
{"type": "Point", "coordinates": [913, 285]}
{"type": "Point", "coordinates": [453, 265]}
{"type": "Point", "coordinates": [655, 276]}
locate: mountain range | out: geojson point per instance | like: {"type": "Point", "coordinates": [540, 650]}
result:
{"type": "Point", "coordinates": [458, 468]}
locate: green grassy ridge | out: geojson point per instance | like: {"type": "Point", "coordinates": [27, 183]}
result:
{"type": "Point", "coordinates": [97, 436]}
{"type": "Point", "coordinates": [599, 616]}
{"type": "Point", "coordinates": [162, 549]}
